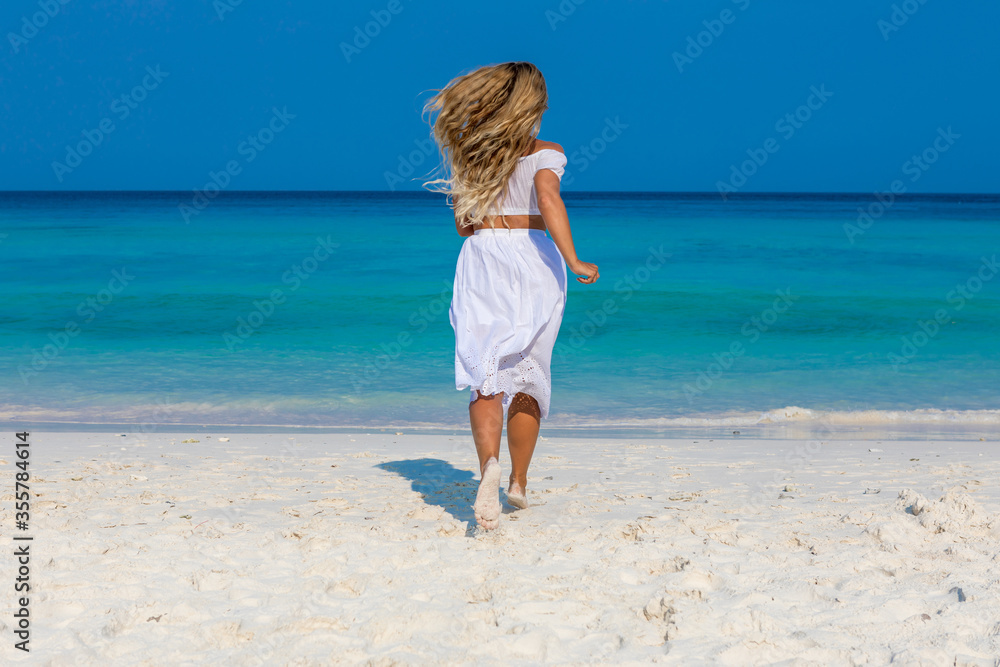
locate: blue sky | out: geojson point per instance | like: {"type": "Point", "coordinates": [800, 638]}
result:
{"type": "Point", "coordinates": [631, 114]}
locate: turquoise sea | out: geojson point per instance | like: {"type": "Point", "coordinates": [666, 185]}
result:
{"type": "Point", "coordinates": [330, 309]}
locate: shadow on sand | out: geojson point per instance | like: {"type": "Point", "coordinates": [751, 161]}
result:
{"type": "Point", "coordinates": [441, 484]}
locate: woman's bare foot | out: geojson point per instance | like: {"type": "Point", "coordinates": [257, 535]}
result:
{"type": "Point", "coordinates": [487, 507]}
{"type": "Point", "coordinates": [517, 495]}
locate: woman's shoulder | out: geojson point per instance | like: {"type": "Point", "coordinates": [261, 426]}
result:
{"type": "Point", "coordinates": [545, 146]}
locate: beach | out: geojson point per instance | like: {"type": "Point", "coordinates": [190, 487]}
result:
{"type": "Point", "coordinates": [245, 335]}
{"type": "Point", "coordinates": [361, 548]}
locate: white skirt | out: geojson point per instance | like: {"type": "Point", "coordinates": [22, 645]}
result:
{"type": "Point", "coordinates": [510, 292]}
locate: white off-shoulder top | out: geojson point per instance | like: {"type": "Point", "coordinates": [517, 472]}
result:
{"type": "Point", "coordinates": [521, 197]}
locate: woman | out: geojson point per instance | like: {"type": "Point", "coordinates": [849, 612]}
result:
{"type": "Point", "coordinates": [510, 282]}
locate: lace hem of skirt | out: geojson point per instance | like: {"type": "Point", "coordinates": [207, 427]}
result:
{"type": "Point", "coordinates": [523, 377]}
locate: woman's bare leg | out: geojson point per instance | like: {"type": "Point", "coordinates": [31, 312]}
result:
{"type": "Point", "coordinates": [523, 422]}
{"type": "Point", "coordinates": [486, 418]}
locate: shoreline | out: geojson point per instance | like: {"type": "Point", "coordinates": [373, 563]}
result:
{"type": "Point", "coordinates": [789, 431]}
{"type": "Point", "coordinates": [778, 423]}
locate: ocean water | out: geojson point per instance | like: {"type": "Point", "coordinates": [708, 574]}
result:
{"type": "Point", "coordinates": [330, 309]}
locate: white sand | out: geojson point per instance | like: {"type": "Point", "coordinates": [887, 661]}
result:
{"type": "Point", "coordinates": [345, 549]}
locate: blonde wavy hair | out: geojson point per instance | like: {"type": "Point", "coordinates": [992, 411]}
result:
{"type": "Point", "coordinates": [485, 121]}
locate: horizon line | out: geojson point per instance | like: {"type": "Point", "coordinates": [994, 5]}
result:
{"type": "Point", "coordinates": [712, 193]}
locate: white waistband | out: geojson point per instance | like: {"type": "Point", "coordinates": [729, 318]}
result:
{"type": "Point", "coordinates": [515, 232]}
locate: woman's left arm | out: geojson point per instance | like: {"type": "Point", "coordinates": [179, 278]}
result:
{"type": "Point", "coordinates": [463, 231]}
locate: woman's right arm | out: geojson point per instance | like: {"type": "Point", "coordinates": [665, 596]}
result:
{"type": "Point", "coordinates": [553, 210]}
